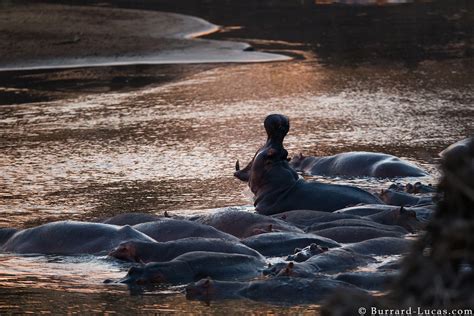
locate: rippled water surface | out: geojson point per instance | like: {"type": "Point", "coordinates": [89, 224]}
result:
{"type": "Point", "coordinates": [85, 144]}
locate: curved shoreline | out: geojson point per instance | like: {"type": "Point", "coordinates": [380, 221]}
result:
{"type": "Point", "coordinates": [44, 36]}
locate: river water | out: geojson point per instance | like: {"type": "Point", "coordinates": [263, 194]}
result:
{"type": "Point", "coordinates": [90, 143]}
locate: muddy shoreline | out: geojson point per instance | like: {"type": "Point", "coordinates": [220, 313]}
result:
{"type": "Point", "coordinates": [94, 36]}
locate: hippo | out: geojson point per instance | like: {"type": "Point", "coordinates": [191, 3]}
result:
{"type": "Point", "coordinates": [277, 191]}
{"type": "Point", "coordinates": [459, 148]}
{"type": "Point", "coordinates": [366, 209]}
{"type": "Point", "coordinates": [401, 216]}
{"type": "Point", "coordinates": [71, 238]}
{"type": "Point", "coordinates": [6, 233]}
{"type": "Point", "coordinates": [132, 218]}
{"type": "Point", "coordinates": [362, 222]}
{"type": "Point", "coordinates": [284, 243]}
{"type": "Point", "coordinates": [276, 127]}
{"type": "Point", "coordinates": [351, 234]}
{"type": "Point", "coordinates": [383, 246]}
{"type": "Point", "coordinates": [196, 265]}
{"type": "Point", "coordinates": [278, 188]}
{"type": "Point", "coordinates": [305, 253]}
{"type": "Point", "coordinates": [392, 197]}
{"type": "Point", "coordinates": [282, 291]}
{"type": "Point", "coordinates": [305, 218]}
{"type": "Point", "coordinates": [330, 262]}
{"type": "Point", "coordinates": [356, 164]}
{"type": "Point", "coordinates": [173, 229]}
{"type": "Point", "coordinates": [371, 281]}
{"type": "Point", "coordinates": [243, 224]}
{"type": "Point", "coordinates": [415, 188]}
{"type": "Point", "coordinates": [144, 252]}
{"type": "Point", "coordinates": [410, 218]}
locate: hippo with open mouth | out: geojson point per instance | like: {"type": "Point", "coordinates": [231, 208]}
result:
{"type": "Point", "coordinates": [277, 186]}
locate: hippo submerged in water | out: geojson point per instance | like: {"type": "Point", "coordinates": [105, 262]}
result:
{"type": "Point", "coordinates": [278, 188]}
{"type": "Point", "coordinates": [71, 238]}
{"type": "Point", "coordinates": [284, 290]}
{"type": "Point", "coordinates": [143, 251]}
{"type": "Point", "coordinates": [195, 265]}
{"type": "Point", "coordinates": [356, 164]}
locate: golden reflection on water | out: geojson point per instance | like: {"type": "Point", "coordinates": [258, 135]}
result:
{"type": "Point", "coordinates": [173, 147]}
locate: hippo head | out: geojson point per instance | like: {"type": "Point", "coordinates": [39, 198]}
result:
{"type": "Point", "coordinates": [274, 269]}
{"type": "Point", "coordinates": [276, 126]}
{"type": "Point", "coordinates": [135, 275]}
{"type": "Point", "coordinates": [269, 172]}
{"type": "Point", "coordinates": [202, 290]}
{"type": "Point", "coordinates": [304, 254]}
{"type": "Point", "coordinates": [144, 275]}
{"type": "Point", "coordinates": [408, 220]}
{"type": "Point", "coordinates": [126, 251]}
{"type": "Point", "coordinates": [297, 161]}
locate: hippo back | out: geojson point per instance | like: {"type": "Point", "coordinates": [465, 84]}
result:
{"type": "Point", "coordinates": [6, 233]}
{"type": "Point", "coordinates": [70, 238]}
{"type": "Point", "coordinates": [244, 224]}
{"type": "Point", "coordinates": [174, 229]}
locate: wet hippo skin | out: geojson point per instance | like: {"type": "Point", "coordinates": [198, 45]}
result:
{"type": "Point", "coordinates": [333, 261]}
{"type": "Point", "coordinates": [173, 229]}
{"type": "Point", "coordinates": [351, 234]}
{"type": "Point", "coordinates": [356, 164]}
{"type": "Point", "coordinates": [282, 290]}
{"type": "Point", "coordinates": [131, 219]}
{"type": "Point", "coordinates": [362, 222]}
{"type": "Point", "coordinates": [278, 189]}
{"type": "Point", "coordinates": [71, 238]}
{"type": "Point", "coordinates": [284, 243]}
{"type": "Point", "coordinates": [193, 266]}
{"type": "Point", "coordinates": [243, 224]}
{"type": "Point", "coordinates": [142, 251]}
{"type": "Point", "coordinates": [383, 246]}
{"type": "Point", "coordinates": [393, 197]}
{"type": "Point", "coordinates": [305, 218]}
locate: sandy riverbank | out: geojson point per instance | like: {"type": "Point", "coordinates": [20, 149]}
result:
{"type": "Point", "coordinates": [43, 36]}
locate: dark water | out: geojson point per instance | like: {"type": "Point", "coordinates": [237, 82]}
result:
{"type": "Point", "coordinates": [89, 143]}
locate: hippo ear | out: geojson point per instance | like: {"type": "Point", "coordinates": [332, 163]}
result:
{"type": "Point", "coordinates": [402, 210]}
{"type": "Point", "coordinates": [313, 246]}
{"type": "Point", "coordinates": [297, 250]}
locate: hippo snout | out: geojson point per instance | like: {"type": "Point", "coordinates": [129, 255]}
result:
{"type": "Point", "coordinates": [202, 290]}
{"type": "Point", "coordinates": [135, 275]}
